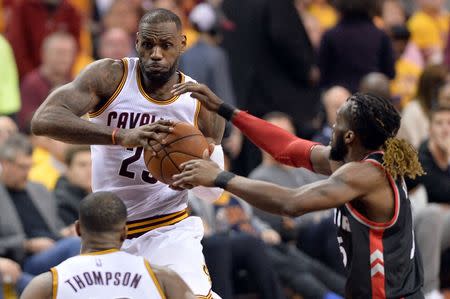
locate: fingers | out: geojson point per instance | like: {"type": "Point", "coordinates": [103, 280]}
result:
{"type": "Point", "coordinates": [164, 122]}
{"type": "Point", "coordinates": [188, 163]}
{"type": "Point", "coordinates": [158, 127]}
{"type": "Point", "coordinates": [181, 88]}
{"type": "Point", "coordinates": [146, 136]}
{"type": "Point", "coordinates": [183, 181]}
{"type": "Point", "coordinates": [201, 97]}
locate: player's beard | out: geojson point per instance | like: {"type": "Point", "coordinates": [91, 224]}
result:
{"type": "Point", "coordinates": [338, 149]}
{"type": "Point", "coordinates": [160, 78]}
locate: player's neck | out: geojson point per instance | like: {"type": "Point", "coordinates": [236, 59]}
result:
{"type": "Point", "coordinates": [357, 154]}
{"type": "Point", "coordinates": [89, 246]}
{"type": "Point", "coordinates": [159, 90]}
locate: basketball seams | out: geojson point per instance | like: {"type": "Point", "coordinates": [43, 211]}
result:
{"type": "Point", "coordinates": [165, 145]}
{"type": "Point", "coordinates": [168, 155]}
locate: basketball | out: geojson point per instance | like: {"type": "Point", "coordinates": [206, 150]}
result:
{"type": "Point", "coordinates": [184, 143]}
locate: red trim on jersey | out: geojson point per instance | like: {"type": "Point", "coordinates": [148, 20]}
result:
{"type": "Point", "coordinates": [377, 276]}
{"type": "Point", "coordinates": [361, 218]}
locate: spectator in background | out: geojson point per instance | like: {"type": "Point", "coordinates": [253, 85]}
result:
{"type": "Point", "coordinates": [205, 60]}
{"type": "Point", "coordinates": [31, 232]}
{"type": "Point", "coordinates": [434, 155]}
{"type": "Point", "coordinates": [75, 184]}
{"type": "Point", "coordinates": [444, 95]}
{"type": "Point", "coordinates": [311, 22]}
{"type": "Point", "coordinates": [324, 12]}
{"type": "Point", "coordinates": [408, 66]}
{"type": "Point", "coordinates": [429, 29]}
{"type": "Point", "coordinates": [11, 273]}
{"type": "Point", "coordinates": [272, 64]}
{"type": "Point", "coordinates": [415, 123]}
{"type": "Point", "coordinates": [177, 7]}
{"type": "Point", "coordinates": [115, 43]}
{"type": "Point", "coordinates": [377, 84]}
{"type": "Point", "coordinates": [31, 22]}
{"type": "Point", "coordinates": [392, 14]}
{"type": "Point", "coordinates": [7, 128]}
{"type": "Point", "coordinates": [354, 47]}
{"type": "Point", "coordinates": [332, 99]}
{"type": "Point", "coordinates": [58, 54]}
{"type": "Point", "coordinates": [123, 14]}
{"type": "Point", "coordinates": [9, 81]}
{"type": "Point", "coordinates": [227, 254]}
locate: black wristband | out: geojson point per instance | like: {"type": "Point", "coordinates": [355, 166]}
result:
{"type": "Point", "coordinates": [223, 178]}
{"type": "Point", "coordinates": [226, 111]}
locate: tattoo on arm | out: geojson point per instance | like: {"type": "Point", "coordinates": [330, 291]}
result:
{"type": "Point", "coordinates": [59, 117]}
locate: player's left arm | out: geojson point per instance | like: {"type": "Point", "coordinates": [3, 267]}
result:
{"type": "Point", "coordinates": [212, 126]}
{"type": "Point", "coordinates": [349, 182]}
{"type": "Point", "coordinates": [172, 285]}
{"type": "Point", "coordinates": [41, 287]}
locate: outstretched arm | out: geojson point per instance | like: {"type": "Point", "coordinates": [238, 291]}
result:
{"type": "Point", "coordinates": [59, 117]}
{"type": "Point", "coordinates": [281, 145]}
{"type": "Point", "coordinates": [341, 187]}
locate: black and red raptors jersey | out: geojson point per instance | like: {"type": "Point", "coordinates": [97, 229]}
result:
{"type": "Point", "coordinates": [381, 259]}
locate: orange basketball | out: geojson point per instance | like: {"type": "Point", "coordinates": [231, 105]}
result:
{"type": "Point", "coordinates": [184, 143]}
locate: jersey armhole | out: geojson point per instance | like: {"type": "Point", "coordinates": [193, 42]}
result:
{"type": "Point", "coordinates": [54, 282]}
{"type": "Point", "coordinates": [102, 106]}
{"type": "Point", "coordinates": [155, 280]}
{"type": "Point", "coordinates": [198, 106]}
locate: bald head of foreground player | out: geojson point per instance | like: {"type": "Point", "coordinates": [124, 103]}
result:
{"type": "Point", "coordinates": [102, 227]}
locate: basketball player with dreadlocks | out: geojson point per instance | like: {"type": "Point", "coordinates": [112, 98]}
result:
{"type": "Point", "coordinates": [366, 164]}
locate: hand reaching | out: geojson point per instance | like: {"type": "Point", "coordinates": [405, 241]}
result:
{"type": "Point", "coordinates": [197, 173]}
{"type": "Point", "coordinates": [200, 92]}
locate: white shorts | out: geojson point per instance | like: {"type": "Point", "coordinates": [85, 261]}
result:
{"type": "Point", "coordinates": [177, 247]}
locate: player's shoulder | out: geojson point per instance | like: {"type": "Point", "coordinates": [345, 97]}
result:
{"type": "Point", "coordinates": [187, 78]}
{"type": "Point", "coordinates": [362, 173]}
{"type": "Point", "coordinates": [107, 65]}
{"type": "Point", "coordinates": [102, 76]}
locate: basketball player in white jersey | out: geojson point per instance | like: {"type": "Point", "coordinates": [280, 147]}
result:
{"type": "Point", "coordinates": [102, 270]}
{"type": "Point", "coordinates": [126, 100]}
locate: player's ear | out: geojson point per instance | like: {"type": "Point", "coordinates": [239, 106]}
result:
{"type": "Point", "coordinates": [123, 235]}
{"type": "Point", "coordinates": [183, 43]}
{"type": "Point", "coordinates": [137, 41]}
{"type": "Point", "coordinates": [77, 228]}
{"type": "Point", "coordinates": [349, 136]}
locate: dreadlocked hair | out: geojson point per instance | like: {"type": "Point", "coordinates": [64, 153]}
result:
{"type": "Point", "coordinates": [376, 121]}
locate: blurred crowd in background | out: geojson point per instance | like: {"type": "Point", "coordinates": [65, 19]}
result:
{"type": "Point", "coordinates": [293, 62]}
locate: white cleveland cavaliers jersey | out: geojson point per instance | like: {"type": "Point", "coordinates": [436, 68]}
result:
{"type": "Point", "coordinates": [122, 170]}
{"type": "Point", "coordinates": [105, 274]}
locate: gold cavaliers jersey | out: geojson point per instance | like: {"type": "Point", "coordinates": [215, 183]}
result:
{"type": "Point", "coordinates": [105, 274]}
{"type": "Point", "coordinates": [123, 171]}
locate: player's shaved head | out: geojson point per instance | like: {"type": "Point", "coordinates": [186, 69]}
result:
{"type": "Point", "coordinates": [102, 212]}
{"type": "Point", "coordinates": [158, 16]}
